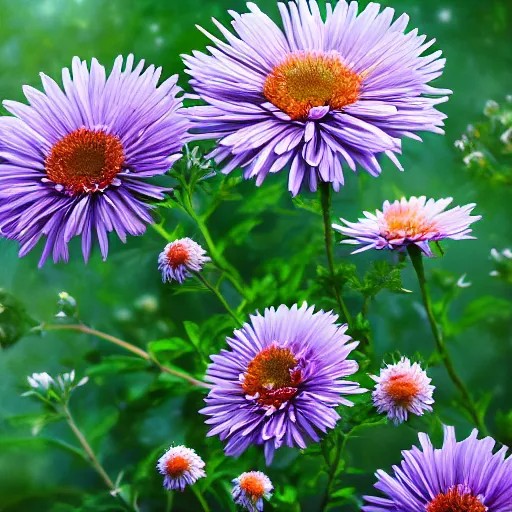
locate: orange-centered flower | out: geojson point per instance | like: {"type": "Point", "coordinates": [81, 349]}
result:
{"type": "Point", "coordinates": [402, 388]}
{"type": "Point", "coordinates": [178, 254]}
{"type": "Point", "coordinates": [85, 161]}
{"type": "Point", "coordinates": [407, 221]}
{"type": "Point", "coordinates": [272, 376]}
{"type": "Point", "coordinates": [177, 465]}
{"type": "Point", "coordinates": [311, 79]}
{"type": "Point", "coordinates": [253, 485]}
{"type": "Point", "coordinates": [456, 500]}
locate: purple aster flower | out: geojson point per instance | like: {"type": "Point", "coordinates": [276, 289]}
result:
{"type": "Point", "coordinates": [180, 258]}
{"type": "Point", "coordinates": [318, 95]}
{"type": "Point", "coordinates": [462, 476]}
{"type": "Point", "coordinates": [181, 467]}
{"type": "Point", "coordinates": [75, 161]}
{"type": "Point", "coordinates": [402, 388]}
{"type": "Point", "coordinates": [250, 489]}
{"type": "Point", "coordinates": [414, 221]}
{"type": "Point", "coordinates": [281, 381]}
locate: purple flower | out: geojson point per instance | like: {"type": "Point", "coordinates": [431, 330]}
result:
{"type": "Point", "coordinates": [180, 258]}
{"type": "Point", "coordinates": [250, 489]}
{"type": "Point", "coordinates": [461, 476]}
{"type": "Point", "coordinates": [319, 95]}
{"type": "Point", "coordinates": [75, 161]}
{"type": "Point", "coordinates": [281, 381]}
{"type": "Point", "coordinates": [414, 221]}
{"type": "Point", "coordinates": [181, 467]}
{"type": "Point", "coordinates": [402, 388]}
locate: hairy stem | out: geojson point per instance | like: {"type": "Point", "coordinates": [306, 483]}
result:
{"type": "Point", "coordinates": [219, 296]}
{"type": "Point", "coordinates": [326, 199]}
{"type": "Point", "coordinates": [127, 346]}
{"type": "Point", "coordinates": [467, 401]}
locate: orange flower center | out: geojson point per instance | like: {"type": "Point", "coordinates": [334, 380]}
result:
{"type": "Point", "coordinates": [402, 389]}
{"type": "Point", "coordinates": [253, 486]}
{"type": "Point", "coordinates": [177, 465]}
{"type": "Point", "coordinates": [271, 376]}
{"type": "Point", "coordinates": [406, 222]}
{"type": "Point", "coordinates": [177, 255]}
{"type": "Point", "coordinates": [308, 79]}
{"type": "Point", "coordinates": [85, 161]}
{"type": "Point", "coordinates": [455, 501]}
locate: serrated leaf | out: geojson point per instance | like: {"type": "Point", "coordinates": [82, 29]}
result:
{"type": "Point", "coordinates": [311, 205]}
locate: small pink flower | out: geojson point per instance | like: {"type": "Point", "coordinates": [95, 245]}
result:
{"type": "Point", "coordinates": [414, 221]}
{"type": "Point", "coordinates": [402, 388]}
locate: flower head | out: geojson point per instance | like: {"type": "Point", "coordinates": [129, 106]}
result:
{"type": "Point", "coordinates": [181, 467]}
{"type": "Point", "coordinates": [180, 258]}
{"type": "Point", "coordinates": [281, 380]}
{"type": "Point", "coordinates": [463, 476]}
{"type": "Point", "coordinates": [402, 388]}
{"type": "Point", "coordinates": [318, 95]}
{"type": "Point", "coordinates": [405, 222]}
{"type": "Point", "coordinates": [75, 161]}
{"type": "Point", "coordinates": [250, 489]}
{"type": "Point", "coordinates": [58, 389]}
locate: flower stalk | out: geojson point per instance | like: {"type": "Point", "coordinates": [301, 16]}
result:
{"type": "Point", "coordinates": [326, 200]}
{"type": "Point", "coordinates": [416, 256]}
{"type": "Point", "coordinates": [126, 346]}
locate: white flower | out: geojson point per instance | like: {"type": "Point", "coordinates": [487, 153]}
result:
{"type": "Point", "coordinates": [250, 489]}
{"type": "Point", "coordinates": [402, 388]}
{"type": "Point", "coordinates": [181, 467]}
{"type": "Point", "coordinates": [180, 258]}
{"type": "Point", "coordinates": [40, 381]}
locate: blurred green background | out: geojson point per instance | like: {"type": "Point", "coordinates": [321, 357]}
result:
{"type": "Point", "coordinates": [128, 415]}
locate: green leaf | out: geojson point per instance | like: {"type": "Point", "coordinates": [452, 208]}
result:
{"type": "Point", "coordinates": [14, 320]}
{"type": "Point", "coordinates": [111, 365]}
{"type": "Point", "coordinates": [381, 275]}
{"type": "Point", "coordinates": [311, 205]}
{"type": "Point", "coordinates": [486, 309]}
{"type": "Point", "coordinates": [169, 349]}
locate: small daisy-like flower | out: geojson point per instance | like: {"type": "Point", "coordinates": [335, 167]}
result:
{"type": "Point", "coordinates": [281, 381]}
{"type": "Point", "coordinates": [402, 388]}
{"type": "Point", "coordinates": [180, 258]}
{"type": "Point", "coordinates": [405, 222]}
{"type": "Point", "coordinates": [181, 467]}
{"type": "Point", "coordinates": [463, 476]}
{"type": "Point", "coordinates": [318, 95]}
{"type": "Point", "coordinates": [75, 161]}
{"type": "Point", "coordinates": [250, 489]}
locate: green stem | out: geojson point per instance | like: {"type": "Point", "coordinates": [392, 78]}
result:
{"type": "Point", "coordinates": [200, 498]}
{"type": "Point", "coordinates": [218, 259]}
{"type": "Point", "coordinates": [127, 346]}
{"type": "Point", "coordinates": [417, 262]}
{"type": "Point", "coordinates": [326, 199]}
{"type": "Point", "coordinates": [91, 457]}
{"type": "Point", "coordinates": [219, 296]}
{"type": "Point", "coordinates": [333, 469]}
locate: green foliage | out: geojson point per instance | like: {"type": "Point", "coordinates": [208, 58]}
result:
{"type": "Point", "coordinates": [14, 320]}
{"type": "Point", "coordinates": [487, 145]}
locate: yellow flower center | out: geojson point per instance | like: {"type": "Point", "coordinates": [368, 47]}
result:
{"type": "Point", "coordinates": [309, 79]}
